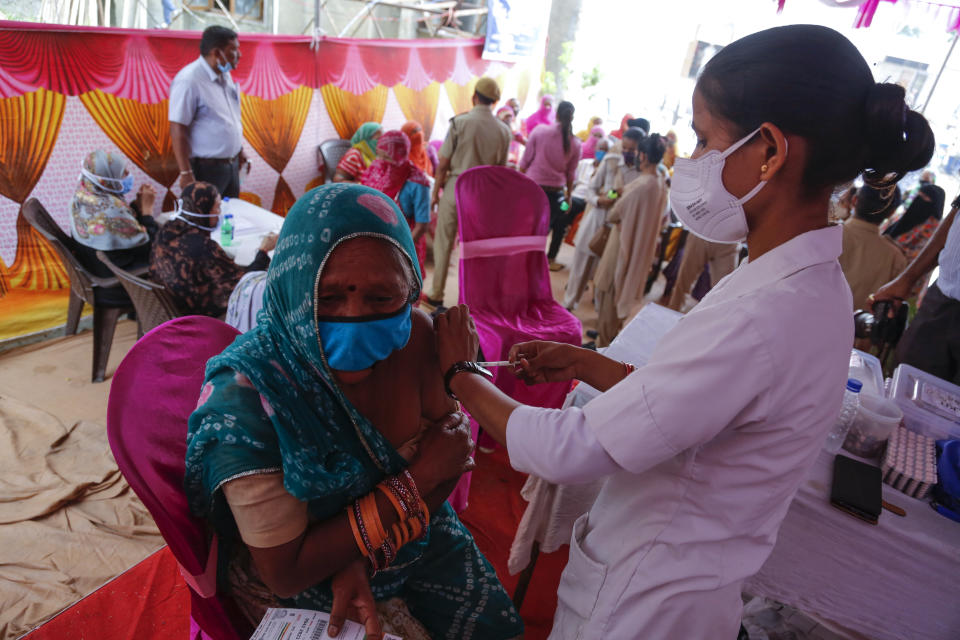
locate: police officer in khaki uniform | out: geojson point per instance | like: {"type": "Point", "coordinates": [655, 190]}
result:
{"type": "Point", "coordinates": [474, 139]}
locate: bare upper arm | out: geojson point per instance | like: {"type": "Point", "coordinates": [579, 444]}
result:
{"type": "Point", "coordinates": [434, 401]}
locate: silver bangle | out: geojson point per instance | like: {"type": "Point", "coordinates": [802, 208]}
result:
{"type": "Point", "coordinates": [187, 172]}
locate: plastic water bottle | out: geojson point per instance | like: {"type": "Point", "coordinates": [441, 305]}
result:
{"type": "Point", "coordinates": [226, 230]}
{"type": "Point", "coordinates": [848, 413]}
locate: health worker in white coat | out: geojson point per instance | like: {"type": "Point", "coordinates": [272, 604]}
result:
{"type": "Point", "coordinates": [704, 447]}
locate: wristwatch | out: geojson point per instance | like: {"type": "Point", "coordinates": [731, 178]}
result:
{"type": "Point", "coordinates": [463, 367]}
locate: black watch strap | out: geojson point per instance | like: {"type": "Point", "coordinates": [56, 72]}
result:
{"type": "Point", "coordinates": [463, 367]}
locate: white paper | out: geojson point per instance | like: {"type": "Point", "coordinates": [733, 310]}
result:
{"type": "Point", "coordinates": [634, 344]}
{"type": "Point", "coordinates": [303, 624]}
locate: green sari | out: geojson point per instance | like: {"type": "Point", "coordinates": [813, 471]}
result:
{"type": "Point", "coordinates": [295, 419]}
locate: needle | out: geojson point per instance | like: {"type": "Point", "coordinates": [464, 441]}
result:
{"type": "Point", "coordinates": [498, 363]}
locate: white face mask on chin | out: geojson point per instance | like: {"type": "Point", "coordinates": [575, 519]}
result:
{"type": "Point", "coordinates": [703, 204]}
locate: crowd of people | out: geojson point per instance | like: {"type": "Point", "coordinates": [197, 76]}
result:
{"type": "Point", "coordinates": [328, 437]}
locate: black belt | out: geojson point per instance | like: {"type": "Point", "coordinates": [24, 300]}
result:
{"type": "Point", "coordinates": [551, 189]}
{"type": "Point", "coordinates": [214, 160]}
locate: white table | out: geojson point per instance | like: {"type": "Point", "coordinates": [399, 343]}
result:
{"type": "Point", "coordinates": [250, 224]}
{"type": "Point", "coordinates": [893, 581]}
{"type": "Point", "coordinates": [890, 581]}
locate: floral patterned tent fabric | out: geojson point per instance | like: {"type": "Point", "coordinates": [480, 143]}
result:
{"type": "Point", "coordinates": [65, 91]}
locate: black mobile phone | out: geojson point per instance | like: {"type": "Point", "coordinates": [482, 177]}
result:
{"type": "Point", "coordinates": [857, 488]}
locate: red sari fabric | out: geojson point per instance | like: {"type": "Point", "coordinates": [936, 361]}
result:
{"type": "Point", "coordinates": [389, 174]}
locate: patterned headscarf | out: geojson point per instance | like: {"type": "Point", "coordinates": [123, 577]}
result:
{"type": "Point", "coordinates": [199, 197]}
{"type": "Point", "coordinates": [364, 142]}
{"type": "Point", "coordinates": [391, 173]}
{"type": "Point", "coordinates": [418, 152]}
{"type": "Point", "coordinates": [101, 219]}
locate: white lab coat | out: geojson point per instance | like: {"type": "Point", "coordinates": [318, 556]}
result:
{"type": "Point", "coordinates": [703, 449]}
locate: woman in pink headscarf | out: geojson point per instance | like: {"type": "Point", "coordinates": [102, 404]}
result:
{"type": "Point", "coordinates": [543, 115]}
{"type": "Point", "coordinates": [589, 146]}
{"type": "Point", "coordinates": [395, 175]}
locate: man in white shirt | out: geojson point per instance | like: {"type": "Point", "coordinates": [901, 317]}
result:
{"type": "Point", "coordinates": [932, 340]}
{"type": "Point", "coordinates": [204, 115]}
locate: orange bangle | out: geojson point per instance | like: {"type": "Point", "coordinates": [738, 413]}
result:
{"type": "Point", "coordinates": [371, 518]}
{"type": "Point", "coordinates": [397, 506]}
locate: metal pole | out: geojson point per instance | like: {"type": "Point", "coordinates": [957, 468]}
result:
{"type": "Point", "coordinates": [360, 15]}
{"type": "Point", "coordinates": [943, 66]}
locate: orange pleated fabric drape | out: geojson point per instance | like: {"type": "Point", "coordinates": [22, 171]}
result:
{"type": "Point", "coordinates": [4, 278]}
{"type": "Point", "coordinates": [273, 127]}
{"type": "Point", "coordinates": [252, 198]}
{"type": "Point", "coordinates": [29, 125]}
{"type": "Point", "coordinates": [419, 106]}
{"type": "Point", "coordinates": [461, 96]}
{"type": "Point", "coordinates": [283, 198]}
{"type": "Point", "coordinates": [141, 131]}
{"type": "Point", "coordinates": [37, 265]}
{"type": "Point", "coordinates": [348, 111]}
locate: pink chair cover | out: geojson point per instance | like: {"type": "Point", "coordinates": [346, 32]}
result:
{"type": "Point", "coordinates": [153, 393]}
{"type": "Point", "coordinates": [509, 294]}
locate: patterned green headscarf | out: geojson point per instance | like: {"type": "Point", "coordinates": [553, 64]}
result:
{"type": "Point", "coordinates": [363, 141]}
{"type": "Point", "coordinates": [328, 452]}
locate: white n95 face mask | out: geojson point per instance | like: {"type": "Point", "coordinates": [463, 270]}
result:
{"type": "Point", "coordinates": [702, 203]}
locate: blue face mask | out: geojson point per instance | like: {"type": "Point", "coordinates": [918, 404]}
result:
{"type": "Point", "coordinates": [126, 184]}
{"type": "Point", "coordinates": [599, 155]}
{"type": "Point", "coordinates": [225, 68]}
{"type": "Point", "coordinates": [355, 344]}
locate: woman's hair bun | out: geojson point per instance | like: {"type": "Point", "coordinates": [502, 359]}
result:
{"type": "Point", "coordinates": [898, 140]}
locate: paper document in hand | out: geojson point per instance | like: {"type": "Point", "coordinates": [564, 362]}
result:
{"type": "Point", "coordinates": [303, 624]}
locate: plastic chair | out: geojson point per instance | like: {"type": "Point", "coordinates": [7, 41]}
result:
{"type": "Point", "coordinates": [154, 391]}
{"type": "Point", "coordinates": [105, 295]}
{"type": "Point", "coordinates": [504, 218]}
{"type": "Point", "coordinates": [153, 304]}
{"type": "Point", "coordinates": [332, 151]}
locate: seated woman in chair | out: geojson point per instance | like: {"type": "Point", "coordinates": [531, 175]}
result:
{"type": "Point", "coordinates": [317, 430]}
{"type": "Point", "coordinates": [101, 220]}
{"type": "Point", "coordinates": [196, 271]}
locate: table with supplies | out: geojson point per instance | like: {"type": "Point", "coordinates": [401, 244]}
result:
{"type": "Point", "coordinates": [892, 580]}
{"type": "Point", "coordinates": [250, 224]}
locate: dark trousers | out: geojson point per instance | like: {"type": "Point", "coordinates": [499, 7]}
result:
{"type": "Point", "coordinates": [932, 341]}
{"type": "Point", "coordinates": [560, 220]}
{"type": "Point", "coordinates": [225, 176]}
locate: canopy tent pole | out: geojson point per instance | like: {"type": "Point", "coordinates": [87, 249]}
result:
{"type": "Point", "coordinates": [956, 35]}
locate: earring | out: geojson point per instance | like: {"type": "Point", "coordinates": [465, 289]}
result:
{"type": "Point", "coordinates": [763, 169]}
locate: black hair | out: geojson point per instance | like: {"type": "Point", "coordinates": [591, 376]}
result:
{"type": "Point", "coordinates": [635, 134]}
{"type": "Point", "coordinates": [565, 118]}
{"type": "Point", "coordinates": [215, 37]}
{"type": "Point", "coordinates": [482, 99]}
{"type": "Point", "coordinates": [812, 82]}
{"type": "Point", "coordinates": [876, 205]}
{"type": "Point", "coordinates": [653, 147]}
{"type": "Point", "coordinates": [640, 123]}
